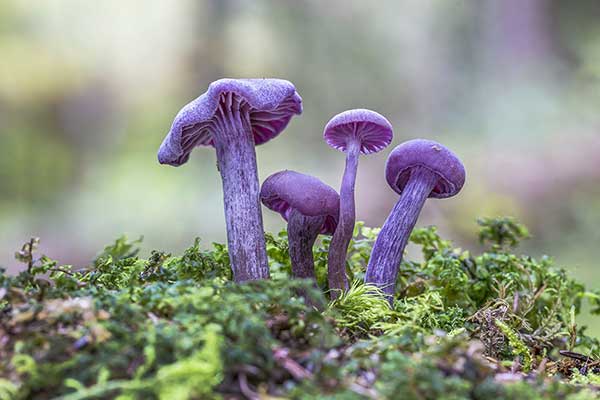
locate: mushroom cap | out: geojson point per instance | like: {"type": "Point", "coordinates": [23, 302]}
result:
{"type": "Point", "coordinates": [372, 129]}
{"type": "Point", "coordinates": [428, 154]}
{"type": "Point", "coordinates": [272, 103]}
{"type": "Point", "coordinates": [286, 190]}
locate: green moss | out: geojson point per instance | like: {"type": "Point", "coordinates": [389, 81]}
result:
{"type": "Point", "coordinates": [519, 349]}
{"type": "Point", "coordinates": [360, 309]}
{"type": "Point", "coordinates": [176, 327]}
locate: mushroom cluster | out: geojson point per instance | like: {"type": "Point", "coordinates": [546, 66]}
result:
{"type": "Point", "coordinates": [234, 115]}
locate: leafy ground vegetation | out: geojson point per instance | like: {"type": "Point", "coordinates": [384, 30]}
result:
{"type": "Point", "coordinates": [464, 326]}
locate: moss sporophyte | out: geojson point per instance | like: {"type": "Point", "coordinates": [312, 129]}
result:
{"type": "Point", "coordinates": [462, 325]}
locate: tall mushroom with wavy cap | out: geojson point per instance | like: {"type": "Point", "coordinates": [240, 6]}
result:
{"type": "Point", "coordinates": [233, 116]}
{"type": "Point", "coordinates": [417, 170]}
{"type": "Point", "coordinates": [354, 132]}
{"type": "Point", "coordinates": [310, 207]}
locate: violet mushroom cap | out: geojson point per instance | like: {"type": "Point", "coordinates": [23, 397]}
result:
{"type": "Point", "coordinates": [233, 116]}
{"type": "Point", "coordinates": [272, 103]}
{"type": "Point", "coordinates": [309, 205]}
{"type": "Point", "coordinates": [287, 190]}
{"type": "Point", "coordinates": [354, 132]}
{"type": "Point", "coordinates": [428, 154]}
{"type": "Point", "coordinates": [373, 130]}
{"type": "Point", "coordinates": [417, 169]}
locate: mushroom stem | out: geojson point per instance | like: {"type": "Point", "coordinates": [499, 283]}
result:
{"type": "Point", "coordinates": [302, 233]}
{"type": "Point", "coordinates": [336, 268]}
{"type": "Point", "coordinates": [389, 247]}
{"type": "Point", "coordinates": [236, 161]}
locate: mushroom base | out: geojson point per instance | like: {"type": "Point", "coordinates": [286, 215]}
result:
{"type": "Point", "coordinates": [387, 252]}
{"type": "Point", "coordinates": [302, 233]}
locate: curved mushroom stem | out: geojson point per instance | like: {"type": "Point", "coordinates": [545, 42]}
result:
{"type": "Point", "coordinates": [236, 161]}
{"type": "Point", "coordinates": [302, 233]}
{"type": "Point", "coordinates": [389, 247]}
{"type": "Point", "coordinates": [336, 260]}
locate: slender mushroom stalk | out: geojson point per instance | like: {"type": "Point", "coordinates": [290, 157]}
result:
{"type": "Point", "coordinates": [310, 206]}
{"type": "Point", "coordinates": [336, 258]}
{"type": "Point", "coordinates": [417, 169]}
{"type": "Point", "coordinates": [353, 132]}
{"type": "Point", "coordinates": [234, 115]}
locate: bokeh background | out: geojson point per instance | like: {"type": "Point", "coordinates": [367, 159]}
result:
{"type": "Point", "coordinates": [89, 89]}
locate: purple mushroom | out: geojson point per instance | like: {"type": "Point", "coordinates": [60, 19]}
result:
{"type": "Point", "coordinates": [310, 207]}
{"type": "Point", "coordinates": [233, 116]}
{"type": "Point", "coordinates": [353, 132]}
{"type": "Point", "coordinates": [416, 170]}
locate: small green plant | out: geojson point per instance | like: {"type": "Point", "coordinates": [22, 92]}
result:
{"type": "Point", "coordinates": [502, 233]}
{"type": "Point", "coordinates": [519, 349]}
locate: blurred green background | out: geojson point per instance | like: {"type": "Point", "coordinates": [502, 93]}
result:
{"type": "Point", "coordinates": [89, 89]}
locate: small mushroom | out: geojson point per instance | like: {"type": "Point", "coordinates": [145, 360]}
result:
{"type": "Point", "coordinates": [310, 207]}
{"type": "Point", "coordinates": [416, 170]}
{"type": "Point", "coordinates": [233, 116]}
{"type": "Point", "coordinates": [354, 132]}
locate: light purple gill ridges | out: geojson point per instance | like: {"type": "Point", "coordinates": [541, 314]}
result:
{"type": "Point", "coordinates": [428, 154]}
{"type": "Point", "coordinates": [287, 190]}
{"type": "Point", "coordinates": [372, 129]}
{"type": "Point", "coordinates": [268, 103]}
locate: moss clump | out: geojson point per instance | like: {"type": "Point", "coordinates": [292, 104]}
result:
{"type": "Point", "coordinates": [462, 327]}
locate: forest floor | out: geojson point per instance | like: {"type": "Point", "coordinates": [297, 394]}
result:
{"type": "Point", "coordinates": [463, 326]}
